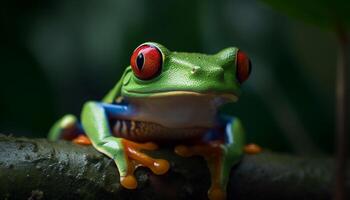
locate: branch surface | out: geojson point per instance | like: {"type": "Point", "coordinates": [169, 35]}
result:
{"type": "Point", "coordinates": [39, 169]}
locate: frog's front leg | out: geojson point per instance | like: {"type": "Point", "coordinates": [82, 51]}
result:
{"type": "Point", "coordinates": [126, 154]}
{"type": "Point", "coordinates": [220, 155]}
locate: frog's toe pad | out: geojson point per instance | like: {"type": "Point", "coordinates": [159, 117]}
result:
{"type": "Point", "coordinates": [216, 193]}
{"type": "Point", "coordinates": [160, 166]}
{"type": "Point", "coordinates": [129, 182]}
{"type": "Point", "coordinates": [82, 140]}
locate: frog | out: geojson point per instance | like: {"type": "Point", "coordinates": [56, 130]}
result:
{"type": "Point", "coordinates": [165, 96]}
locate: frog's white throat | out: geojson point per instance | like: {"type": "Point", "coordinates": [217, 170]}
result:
{"type": "Point", "coordinates": [180, 109]}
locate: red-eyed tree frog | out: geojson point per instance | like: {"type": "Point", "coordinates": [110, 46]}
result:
{"type": "Point", "coordinates": [167, 96]}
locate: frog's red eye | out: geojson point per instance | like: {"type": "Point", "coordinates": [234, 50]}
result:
{"type": "Point", "coordinates": [243, 66]}
{"type": "Point", "coordinates": [146, 62]}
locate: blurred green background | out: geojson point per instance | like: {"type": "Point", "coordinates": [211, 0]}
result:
{"type": "Point", "coordinates": [55, 55]}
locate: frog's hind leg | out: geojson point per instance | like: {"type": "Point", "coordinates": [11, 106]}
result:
{"type": "Point", "coordinates": [68, 128]}
{"type": "Point", "coordinates": [221, 154]}
{"type": "Point", "coordinates": [212, 152]}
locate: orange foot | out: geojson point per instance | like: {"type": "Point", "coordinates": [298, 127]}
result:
{"type": "Point", "coordinates": [136, 158]}
{"type": "Point", "coordinates": [212, 153]}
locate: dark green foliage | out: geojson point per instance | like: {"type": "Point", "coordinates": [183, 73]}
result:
{"type": "Point", "coordinates": [324, 13]}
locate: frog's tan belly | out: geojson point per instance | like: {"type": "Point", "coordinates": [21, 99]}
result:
{"type": "Point", "coordinates": [149, 131]}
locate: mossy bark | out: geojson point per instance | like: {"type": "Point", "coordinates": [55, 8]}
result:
{"type": "Point", "coordinates": [39, 169]}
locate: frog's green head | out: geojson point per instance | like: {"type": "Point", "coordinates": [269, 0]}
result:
{"type": "Point", "coordinates": [156, 71]}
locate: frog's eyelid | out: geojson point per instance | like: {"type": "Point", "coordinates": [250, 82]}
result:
{"type": "Point", "coordinates": [152, 44]}
{"type": "Point", "coordinates": [160, 47]}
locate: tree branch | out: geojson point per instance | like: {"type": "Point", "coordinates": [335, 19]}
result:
{"type": "Point", "coordinates": [39, 169]}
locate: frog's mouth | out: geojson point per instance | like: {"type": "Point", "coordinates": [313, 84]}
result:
{"type": "Point", "coordinates": [229, 97]}
{"type": "Point", "coordinates": [180, 108]}
{"type": "Point", "coordinates": [222, 96]}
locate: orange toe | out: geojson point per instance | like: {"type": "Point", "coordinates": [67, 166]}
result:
{"type": "Point", "coordinates": [252, 149]}
{"type": "Point", "coordinates": [160, 166]}
{"type": "Point", "coordinates": [216, 193]}
{"type": "Point", "coordinates": [136, 158]}
{"type": "Point", "coordinates": [82, 140]}
{"type": "Point", "coordinates": [129, 182]}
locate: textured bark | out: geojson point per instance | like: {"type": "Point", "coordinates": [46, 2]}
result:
{"type": "Point", "coordinates": [39, 169]}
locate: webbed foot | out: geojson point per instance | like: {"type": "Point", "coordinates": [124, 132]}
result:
{"type": "Point", "coordinates": [135, 158]}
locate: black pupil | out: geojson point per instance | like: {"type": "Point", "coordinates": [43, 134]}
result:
{"type": "Point", "coordinates": [139, 61]}
{"type": "Point", "coordinates": [250, 67]}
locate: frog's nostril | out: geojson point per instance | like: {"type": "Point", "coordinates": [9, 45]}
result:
{"type": "Point", "coordinates": [194, 69]}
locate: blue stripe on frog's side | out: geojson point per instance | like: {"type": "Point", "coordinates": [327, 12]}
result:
{"type": "Point", "coordinates": [118, 110]}
{"type": "Point", "coordinates": [223, 131]}
{"type": "Point", "coordinates": [228, 121]}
